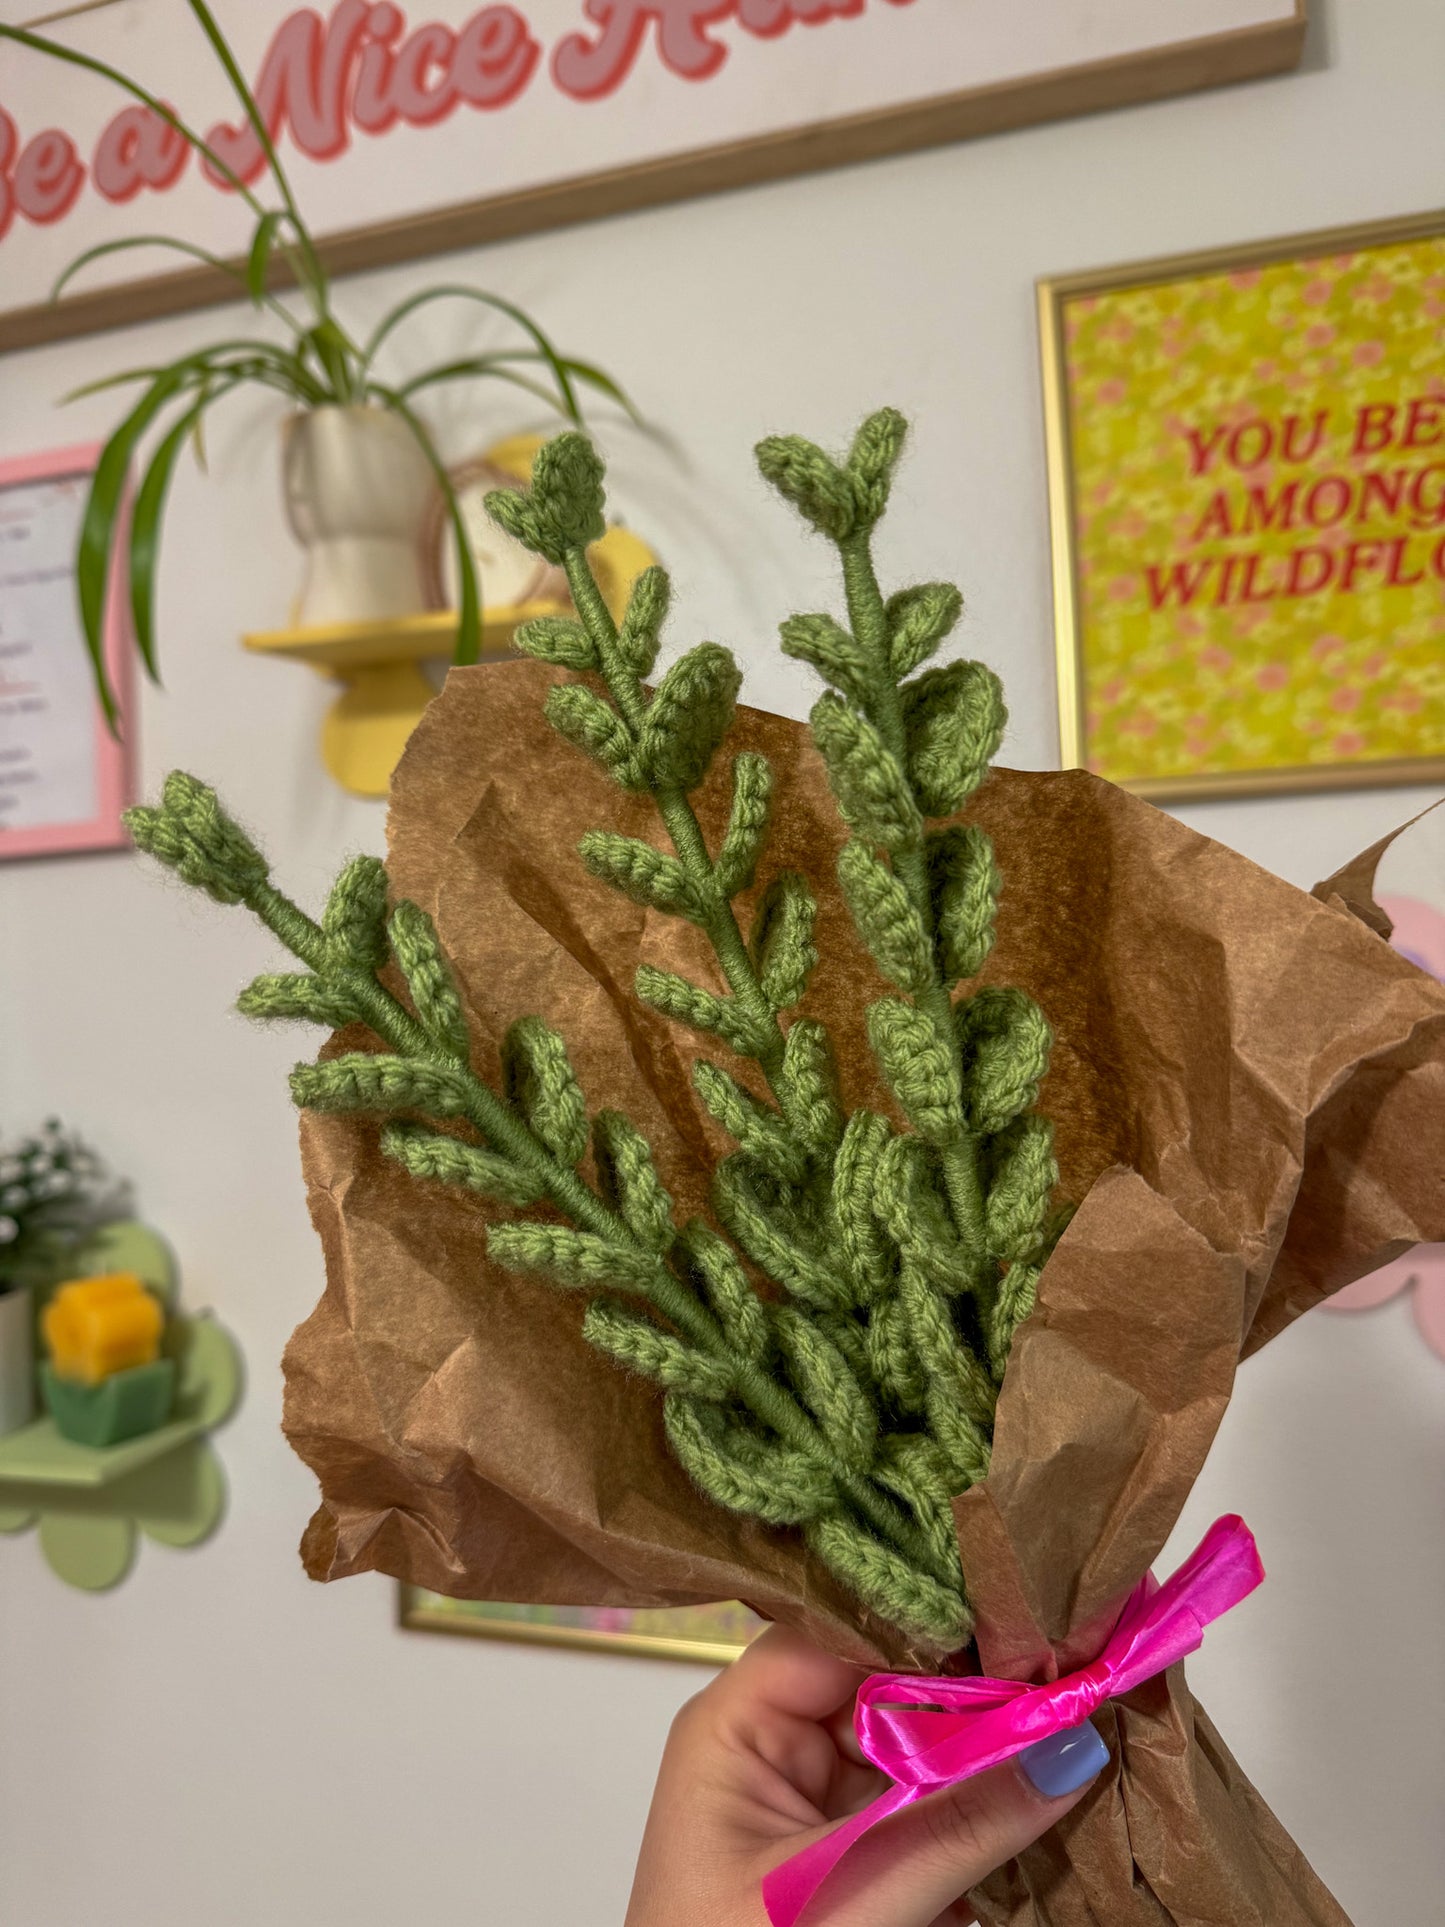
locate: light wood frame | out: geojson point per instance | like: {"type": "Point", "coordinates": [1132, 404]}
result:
{"type": "Point", "coordinates": [1054, 293]}
{"type": "Point", "coordinates": [1244, 53]}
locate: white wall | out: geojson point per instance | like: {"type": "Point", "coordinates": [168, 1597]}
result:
{"type": "Point", "coordinates": [219, 1742]}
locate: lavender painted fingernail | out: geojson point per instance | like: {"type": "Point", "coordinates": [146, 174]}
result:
{"type": "Point", "coordinates": [1064, 1761]}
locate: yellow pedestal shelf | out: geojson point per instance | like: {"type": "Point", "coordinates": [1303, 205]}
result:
{"type": "Point", "coordinates": [378, 664]}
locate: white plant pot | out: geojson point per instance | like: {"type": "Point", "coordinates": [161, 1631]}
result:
{"type": "Point", "coordinates": [17, 1361]}
{"type": "Point", "coordinates": [358, 491]}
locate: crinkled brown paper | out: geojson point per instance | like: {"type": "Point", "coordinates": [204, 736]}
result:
{"type": "Point", "coordinates": [1248, 1086]}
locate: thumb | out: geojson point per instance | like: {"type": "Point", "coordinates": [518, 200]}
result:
{"type": "Point", "coordinates": [912, 1866]}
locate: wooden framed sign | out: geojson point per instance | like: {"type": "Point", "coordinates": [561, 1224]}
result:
{"type": "Point", "coordinates": [413, 130]}
{"type": "Point", "coordinates": [1247, 483]}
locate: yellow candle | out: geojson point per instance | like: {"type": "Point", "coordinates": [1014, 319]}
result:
{"type": "Point", "coordinates": [95, 1327]}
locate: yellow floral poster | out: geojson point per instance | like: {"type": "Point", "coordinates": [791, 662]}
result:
{"type": "Point", "coordinates": [1248, 472]}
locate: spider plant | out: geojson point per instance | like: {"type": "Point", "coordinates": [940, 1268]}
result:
{"type": "Point", "coordinates": [310, 357]}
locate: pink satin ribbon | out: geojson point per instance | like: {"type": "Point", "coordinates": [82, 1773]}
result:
{"type": "Point", "coordinates": [930, 1733]}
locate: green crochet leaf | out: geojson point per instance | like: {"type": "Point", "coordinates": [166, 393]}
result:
{"type": "Point", "coordinates": [639, 636]}
{"type": "Point", "coordinates": [954, 719]}
{"type": "Point", "coordinates": [1005, 1040]}
{"type": "Point", "coordinates": [833, 652]}
{"type": "Point", "coordinates": [781, 942]}
{"type": "Point", "coordinates": [589, 724]}
{"type": "Point", "coordinates": [193, 835]}
{"type": "Point", "coordinates": [870, 786]}
{"type": "Point", "coordinates": [418, 952]}
{"type": "Point", "coordinates": [354, 920]}
{"type": "Point", "coordinates": [511, 511]}
{"type": "Point", "coordinates": [872, 460]}
{"type": "Point", "coordinates": [643, 1347]}
{"type": "Point", "coordinates": [777, 1240]}
{"type": "Point", "coordinates": [869, 1257]}
{"type": "Point", "coordinates": [912, 1466]}
{"type": "Point", "coordinates": [644, 873]}
{"type": "Point", "coordinates": [308, 1000]}
{"type": "Point", "coordinates": [699, 1009]}
{"type": "Point", "coordinates": [1022, 1180]}
{"type": "Point", "coordinates": [921, 1071]}
{"type": "Point", "coordinates": [895, 1364]}
{"type": "Point", "coordinates": [918, 620]}
{"type": "Point", "coordinates": [362, 1082]}
{"type": "Point", "coordinates": [829, 1387]}
{"type": "Point", "coordinates": [567, 494]}
{"type": "Point", "coordinates": [757, 1129]}
{"type": "Point", "coordinates": [688, 717]}
{"type": "Point", "coordinates": [563, 509]}
{"type": "Point", "coordinates": [807, 1087]}
{"type": "Point", "coordinates": [446, 1160]}
{"type": "Point", "coordinates": [884, 1580]}
{"type": "Point", "coordinates": [1017, 1296]}
{"type": "Point", "coordinates": [747, 829]}
{"type": "Point", "coordinates": [628, 1179]}
{"type": "Point", "coordinates": [727, 1290]}
{"type": "Point", "coordinates": [539, 1080]}
{"type": "Point", "coordinates": [960, 1393]}
{"type": "Point", "coordinates": [575, 1259]}
{"type": "Point", "coordinates": [914, 1214]}
{"type": "Point", "coordinates": [559, 640]}
{"type": "Point", "coordinates": [822, 492]}
{"type": "Point", "coordinates": [964, 883]}
{"type": "Point", "coordinates": [886, 918]}
{"type": "Point", "coordinates": [741, 1472]}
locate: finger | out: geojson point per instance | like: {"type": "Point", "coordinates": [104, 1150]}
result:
{"type": "Point", "coordinates": [785, 1673]}
{"type": "Point", "coordinates": [845, 1735]}
{"type": "Point", "coordinates": [912, 1867]}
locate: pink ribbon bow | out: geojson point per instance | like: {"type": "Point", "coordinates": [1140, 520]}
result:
{"type": "Point", "coordinates": [930, 1733]}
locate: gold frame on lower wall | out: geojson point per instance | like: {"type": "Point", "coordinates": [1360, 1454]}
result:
{"type": "Point", "coordinates": [703, 1635]}
{"type": "Point", "coordinates": [1246, 463]}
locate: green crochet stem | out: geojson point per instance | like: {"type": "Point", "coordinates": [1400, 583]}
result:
{"type": "Point", "coordinates": [683, 828]}
{"type": "Point", "coordinates": [868, 617]}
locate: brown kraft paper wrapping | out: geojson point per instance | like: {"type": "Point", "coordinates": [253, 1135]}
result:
{"type": "Point", "coordinates": [1247, 1085]}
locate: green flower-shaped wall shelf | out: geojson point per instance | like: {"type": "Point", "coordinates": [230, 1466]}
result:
{"type": "Point", "coordinates": [90, 1503]}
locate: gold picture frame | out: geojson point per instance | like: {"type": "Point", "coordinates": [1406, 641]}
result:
{"type": "Point", "coordinates": [1133, 295]}
{"type": "Point", "coordinates": [699, 1635]}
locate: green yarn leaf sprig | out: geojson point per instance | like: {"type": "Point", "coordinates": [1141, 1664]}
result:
{"type": "Point", "coordinates": [828, 1351]}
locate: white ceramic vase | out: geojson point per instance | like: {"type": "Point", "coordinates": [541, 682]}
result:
{"type": "Point", "coordinates": [17, 1360]}
{"type": "Point", "coordinates": [358, 491]}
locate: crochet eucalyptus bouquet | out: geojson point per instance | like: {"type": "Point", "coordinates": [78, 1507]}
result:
{"type": "Point", "coordinates": [722, 1028]}
{"type": "Point", "coordinates": [830, 1349]}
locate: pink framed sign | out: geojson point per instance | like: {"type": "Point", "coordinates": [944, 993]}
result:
{"type": "Point", "coordinates": [63, 779]}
